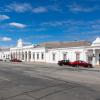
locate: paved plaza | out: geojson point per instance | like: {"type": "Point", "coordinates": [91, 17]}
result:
{"type": "Point", "coordinates": [21, 81]}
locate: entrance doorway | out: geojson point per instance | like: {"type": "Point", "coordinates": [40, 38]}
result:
{"type": "Point", "coordinates": [99, 59]}
{"type": "Point", "coordinates": [90, 59]}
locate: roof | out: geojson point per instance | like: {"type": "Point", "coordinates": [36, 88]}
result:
{"type": "Point", "coordinates": [96, 42]}
{"type": "Point", "coordinates": [64, 44]}
{"type": "Point", "coordinates": [4, 49]}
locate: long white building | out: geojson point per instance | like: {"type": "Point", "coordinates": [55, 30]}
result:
{"type": "Point", "coordinates": [52, 52]}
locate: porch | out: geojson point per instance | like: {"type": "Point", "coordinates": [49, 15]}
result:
{"type": "Point", "coordinates": [93, 56]}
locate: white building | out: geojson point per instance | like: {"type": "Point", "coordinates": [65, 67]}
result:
{"type": "Point", "coordinates": [52, 52]}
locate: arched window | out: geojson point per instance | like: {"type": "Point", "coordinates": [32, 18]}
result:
{"type": "Point", "coordinates": [65, 56]}
{"type": "Point", "coordinates": [22, 55]}
{"type": "Point", "coordinates": [42, 55]}
{"type": "Point", "coordinates": [29, 54]}
{"type": "Point", "coordinates": [37, 56]}
{"type": "Point", "coordinates": [25, 55]}
{"type": "Point", "coordinates": [33, 55]}
{"type": "Point", "coordinates": [77, 56]}
{"type": "Point", "coordinates": [54, 56]}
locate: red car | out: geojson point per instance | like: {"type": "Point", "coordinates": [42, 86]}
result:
{"type": "Point", "coordinates": [15, 60]}
{"type": "Point", "coordinates": [81, 63]}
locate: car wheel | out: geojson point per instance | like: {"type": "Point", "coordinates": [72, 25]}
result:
{"type": "Point", "coordinates": [89, 66]}
{"type": "Point", "coordinates": [73, 65]}
{"type": "Point", "coordinates": [60, 64]}
{"type": "Point", "coordinates": [76, 66]}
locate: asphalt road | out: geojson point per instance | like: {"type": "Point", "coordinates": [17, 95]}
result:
{"type": "Point", "coordinates": [39, 82]}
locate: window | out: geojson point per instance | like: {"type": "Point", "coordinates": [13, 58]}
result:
{"type": "Point", "coordinates": [77, 56]}
{"type": "Point", "coordinates": [53, 56]}
{"type": "Point", "coordinates": [22, 55]}
{"type": "Point", "coordinates": [18, 55]}
{"type": "Point", "coordinates": [13, 55]}
{"type": "Point", "coordinates": [8, 56]}
{"type": "Point", "coordinates": [37, 55]}
{"type": "Point", "coordinates": [33, 55]}
{"type": "Point", "coordinates": [25, 55]}
{"type": "Point", "coordinates": [89, 59]}
{"type": "Point", "coordinates": [29, 54]}
{"type": "Point", "coordinates": [42, 56]}
{"type": "Point", "coordinates": [64, 56]}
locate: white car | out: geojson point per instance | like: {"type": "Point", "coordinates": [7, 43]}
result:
{"type": "Point", "coordinates": [6, 60]}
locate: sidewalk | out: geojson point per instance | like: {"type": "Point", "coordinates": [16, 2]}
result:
{"type": "Point", "coordinates": [95, 68]}
{"type": "Point", "coordinates": [72, 74]}
{"type": "Point", "coordinates": [41, 63]}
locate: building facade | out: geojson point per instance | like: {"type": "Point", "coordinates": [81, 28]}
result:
{"type": "Point", "coordinates": [52, 52]}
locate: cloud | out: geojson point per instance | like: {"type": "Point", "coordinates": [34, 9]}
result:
{"type": "Point", "coordinates": [42, 36]}
{"type": "Point", "coordinates": [4, 17]}
{"type": "Point", "coordinates": [5, 39]}
{"type": "Point", "coordinates": [18, 7]}
{"type": "Point", "coordinates": [24, 7]}
{"type": "Point", "coordinates": [27, 43]}
{"type": "Point", "coordinates": [39, 36]}
{"type": "Point", "coordinates": [55, 23]}
{"type": "Point", "coordinates": [56, 8]}
{"type": "Point", "coordinates": [71, 23]}
{"type": "Point", "coordinates": [39, 29]}
{"type": "Point", "coordinates": [96, 26]}
{"type": "Point", "coordinates": [17, 25]}
{"type": "Point", "coordinates": [27, 7]}
{"type": "Point", "coordinates": [40, 10]}
{"type": "Point", "coordinates": [79, 8]}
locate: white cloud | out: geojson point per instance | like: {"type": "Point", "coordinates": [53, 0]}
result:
{"type": "Point", "coordinates": [4, 17]}
{"type": "Point", "coordinates": [40, 10]}
{"type": "Point", "coordinates": [27, 43]}
{"type": "Point", "coordinates": [27, 7]}
{"type": "Point", "coordinates": [43, 36]}
{"type": "Point", "coordinates": [79, 8]}
{"type": "Point", "coordinates": [55, 7]}
{"type": "Point", "coordinates": [55, 23]}
{"type": "Point", "coordinates": [17, 25]}
{"type": "Point", "coordinates": [5, 39]}
{"type": "Point", "coordinates": [70, 23]}
{"type": "Point", "coordinates": [39, 29]}
{"type": "Point", "coordinates": [39, 36]}
{"type": "Point", "coordinates": [19, 7]}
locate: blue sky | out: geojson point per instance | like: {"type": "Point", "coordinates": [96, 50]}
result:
{"type": "Point", "coordinates": [38, 21]}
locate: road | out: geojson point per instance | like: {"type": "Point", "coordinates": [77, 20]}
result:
{"type": "Point", "coordinates": [46, 82]}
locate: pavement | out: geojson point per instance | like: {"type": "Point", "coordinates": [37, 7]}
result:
{"type": "Point", "coordinates": [95, 68]}
{"type": "Point", "coordinates": [20, 81]}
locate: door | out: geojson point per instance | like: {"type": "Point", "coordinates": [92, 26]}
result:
{"type": "Point", "coordinates": [90, 59]}
{"type": "Point", "coordinates": [99, 59]}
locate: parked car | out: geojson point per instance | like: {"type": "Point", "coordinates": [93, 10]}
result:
{"type": "Point", "coordinates": [1, 59]}
{"type": "Point", "coordinates": [81, 64]}
{"type": "Point", "coordinates": [64, 62]}
{"type": "Point", "coordinates": [15, 60]}
{"type": "Point", "coordinates": [6, 59]}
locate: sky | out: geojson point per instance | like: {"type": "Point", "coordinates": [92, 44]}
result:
{"type": "Point", "coordinates": [37, 21]}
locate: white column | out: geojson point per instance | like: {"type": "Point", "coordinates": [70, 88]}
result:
{"type": "Point", "coordinates": [20, 54]}
{"type": "Point", "coordinates": [31, 56]}
{"type": "Point", "coordinates": [28, 56]}
{"type": "Point", "coordinates": [94, 57]}
{"type": "Point", "coordinates": [24, 56]}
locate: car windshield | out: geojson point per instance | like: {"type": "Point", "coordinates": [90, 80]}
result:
{"type": "Point", "coordinates": [82, 61]}
{"type": "Point", "coordinates": [65, 61]}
